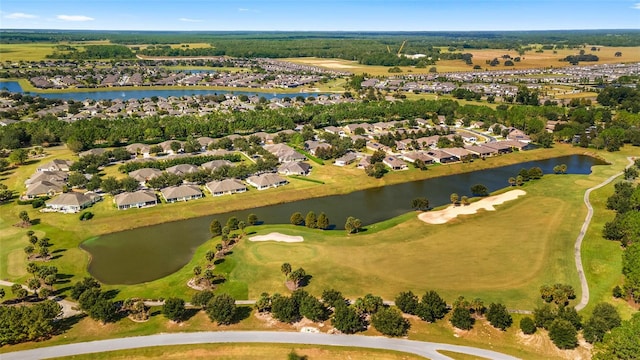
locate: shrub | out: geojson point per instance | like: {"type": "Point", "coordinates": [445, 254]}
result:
{"type": "Point", "coordinates": [390, 322]}
{"type": "Point", "coordinates": [87, 215]}
{"type": "Point", "coordinates": [563, 334]}
{"type": "Point", "coordinates": [527, 326]}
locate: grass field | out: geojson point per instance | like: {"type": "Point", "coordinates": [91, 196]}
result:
{"type": "Point", "coordinates": [529, 61]}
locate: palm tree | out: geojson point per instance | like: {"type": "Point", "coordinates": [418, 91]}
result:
{"type": "Point", "coordinates": [454, 198]}
{"type": "Point", "coordinates": [286, 269]}
{"type": "Point", "coordinates": [512, 181]}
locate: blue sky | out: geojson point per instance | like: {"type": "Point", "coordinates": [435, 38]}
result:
{"type": "Point", "coordinates": [310, 15]}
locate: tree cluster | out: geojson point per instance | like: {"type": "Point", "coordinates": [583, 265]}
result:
{"type": "Point", "coordinates": [28, 323]}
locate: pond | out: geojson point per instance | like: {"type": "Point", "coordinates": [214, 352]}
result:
{"type": "Point", "coordinates": [14, 86]}
{"type": "Point", "coordinates": [116, 258]}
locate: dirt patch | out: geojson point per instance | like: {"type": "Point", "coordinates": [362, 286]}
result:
{"type": "Point", "coordinates": [444, 216]}
{"type": "Point", "coordinates": [274, 236]}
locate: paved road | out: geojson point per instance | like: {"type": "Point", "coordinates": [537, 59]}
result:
{"type": "Point", "coordinates": [426, 349]}
{"type": "Point", "coordinates": [584, 300]}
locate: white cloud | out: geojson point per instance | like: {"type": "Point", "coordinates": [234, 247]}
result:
{"type": "Point", "coordinates": [74, 18]}
{"type": "Point", "coordinates": [190, 20]}
{"type": "Point", "coordinates": [636, 6]}
{"type": "Point", "coordinates": [243, 9]}
{"type": "Point", "coordinates": [20, 16]}
{"type": "Point", "coordinates": [248, 10]}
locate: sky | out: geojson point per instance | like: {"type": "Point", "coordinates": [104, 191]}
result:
{"type": "Point", "coordinates": [316, 15]}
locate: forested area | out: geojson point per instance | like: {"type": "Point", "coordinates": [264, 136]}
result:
{"type": "Point", "coordinates": [92, 52]}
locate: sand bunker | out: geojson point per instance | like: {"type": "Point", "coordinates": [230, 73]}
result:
{"type": "Point", "coordinates": [443, 216]}
{"type": "Point", "coordinates": [277, 237]}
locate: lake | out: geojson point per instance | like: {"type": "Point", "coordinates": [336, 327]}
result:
{"type": "Point", "coordinates": [149, 253]}
{"type": "Point", "coordinates": [14, 86]}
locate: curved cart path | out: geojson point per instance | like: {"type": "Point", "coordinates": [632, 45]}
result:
{"type": "Point", "coordinates": [426, 349]}
{"type": "Point", "coordinates": [584, 300]}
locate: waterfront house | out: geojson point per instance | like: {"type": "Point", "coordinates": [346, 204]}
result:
{"type": "Point", "coordinates": [394, 163]}
{"type": "Point", "coordinates": [226, 187]}
{"type": "Point", "coordinates": [137, 199]}
{"type": "Point", "coordinates": [72, 202]}
{"type": "Point", "coordinates": [345, 159]}
{"type": "Point", "coordinates": [181, 193]}
{"type": "Point", "coordinates": [294, 168]}
{"type": "Point", "coordinates": [265, 181]}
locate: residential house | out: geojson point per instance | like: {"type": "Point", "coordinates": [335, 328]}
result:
{"type": "Point", "coordinates": [284, 153]}
{"type": "Point", "coordinates": [59, 177]}
{"type": "Point", "coordinates": [72, 202]}
{"type": "Point", "coordinates": [334, 130]}
{"type": "Point", "coordinates": [56, 165]}
{"type": "Point", "coordinates": [346, 159]}
{"type": "Point", "coordinates": [137, 199]}
{"type": "Point", "coordinates": [459, 153]}
{"type": "Point", "coordinates": [481, 150]}
{"type": "Point", "coordinates": [364, 162]}
{"type": "Point", "coordinates": [173, 194]}
{"type": "Point", "coordinates": [226, 187]}
{"type": "Point", "coordinates": [518, 135]}
{"type": "Point", "coordinates": [312, 146]}
{"type": "Point", "coordinates": [95, 152]}
{"type": "Point", "coordinates": [216, 164]}
{"type": "Point", "coordinates": [265, 181]}
{"type": "Point", "coordinates": [43, 188]}
{"type": "Point", "coordinates": [351, 128]}
{"type": "Point", "coordinates": [294, 168]}
{"type": "Point", "coordinates": [166, 147]}
{"type": "Point", "coordinates": [139, 149]}
{"type": "Point", "coordinates": [394, 163]}
{"type": "Point", "coordinates": [182, 169]}
{"type": "Point", "coordinates": [204, 142]}
{"type": "Point", "coordinates": [441, 157]}
{"type": "Point", "coordinates": [502, 147]}
{"type": "Point", "coordinates": [145, 174]}
{"type": "Point", "coordinates": [417, 155]}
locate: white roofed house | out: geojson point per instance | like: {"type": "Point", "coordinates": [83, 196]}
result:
{"type": "Point", "coordinates": [182, 169]}
{"type": "Point", "coordinates": [181, 193]}
{"type": "Point", "coordinates": [294, 168]}
{"type": "Point", "coordinates": [138, 199]}
{"type": "Point", "coordinates": [72, 202]}
{"type": "Point", "coordinates": [226, 187]}
{"type": "Point", "coordinates": [56, 165]}
{"type": "Point", "coordinates": [265, 181]}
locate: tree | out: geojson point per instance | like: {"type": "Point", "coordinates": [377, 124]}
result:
{"type": "Point", "coordinates": [221, 309]}
{"type": "Point", "coordinates": [296, 219]}
{"type": "Point", "coordinates": [499, 316]}
{"type": "Point", "coordinates": [310, 220]}
{"type": "Point", "coordinates": [201, 298]}
{"type": "Point", "coordinates": [77, 180]}
{"type": "Point", "coordinates": [210, 255]}
{"type": "Point", "coordinates": [285, 269]}
{"type": "Point", "coordinates": [232, 223]}
{"type": "Point", "coordinates": [376, 170]}
{"type": "Point", "coordinates": [464, 200]}
{"type": "Point", "coordinates": [563, 334]}
{"type": "Point", "coordinates": [352, 225]}
{"type": "Point", "coordinates": [333, 298]}
{"type": "Point", "coordinates": [454, 198]}
{"type": "Point", "coordinates": [81, 286]}
{"type": "Point", "coordinates": [129, 184]}
{"type": "Point", "coordinates": [297, 276]}
{"type": "Point", "coordinates": [622, 343]}
{"type": "Point", "coordinates": [527, 326]}
{"type": "Point", "coordinates": [347, 320]}
{"type": "Point", "coordinates": [543, 316]}
{"type": "Point", "coordinates": [24, 218]}
{"type": "Point", "coordinates": [322, 222]}
{"type": "Point", "coordinates": [432, 307]}
{"type": "Point", "coordinates": [368, 304]}
{"type": "Point", "coordinates": [215, 228]}
{"type": "Point", "coordinates": [479, 190]}
{"type": "Point", "coordinates": [407, 302]}
{"type": "Point", "coordinates": [389, 321]}
{"type": "Point", "coordinates": [512, 181]}
{"type": "Point", "coordinates": [284, 309]}
{"type": "Point", "coordinates": [110, 185]}
{"type": "Point", "coordinates": [197, 270]}
{"type": "Point", "coordinates": [2, 293]}
{"type": "Point", "coordinates": [420, 203]}
{"type": "Point", "coordinates": [558, 293]}
{"type": "Point", "coordinates": [604, 318]}
{"type": "Point", "coordinates": [252, 219]}
{"type": "Point", "coordinates": [461, 318]}
{"type": "Point", "coordinates": [102, 310]}
{"type": "Point", "coordinates": [313, 309]}
{"type": "Point", "coordinates": [263, 304]}
{"type": "Point", "coordinates": [173, 309]}
{"type": "Point", "coordinates": [630, 173]}
{"type": "Point", "coordinates": [241, 226]}
{"type": "Point", "coordinates": [19, 156]}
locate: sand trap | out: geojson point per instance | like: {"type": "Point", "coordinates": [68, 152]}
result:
{"type": "Point", "coordinates": [443, 216]}
{"type": "Point", "coordinates": [277, 237]}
